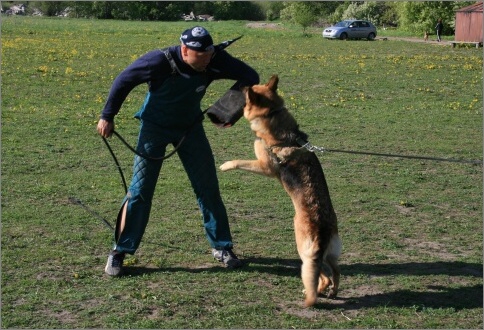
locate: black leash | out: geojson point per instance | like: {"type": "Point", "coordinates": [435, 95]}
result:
{"type": "Point", "coordinates": [120, 170]}
{"type": "Point", "coordinates": [310, 147]}
{"type": "Point", "coordinates": [77, 201]}
{"type": "Point", "coordinates": [117, 163]}
{"type": "Point", "coordinates": [465, 161]}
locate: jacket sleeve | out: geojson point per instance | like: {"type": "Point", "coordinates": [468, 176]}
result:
{"type": "Point", "coordinates": [140, 71]}
{"type": "Point", "coordinates": [225, 66]}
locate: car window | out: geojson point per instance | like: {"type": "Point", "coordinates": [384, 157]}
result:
{"type": "Point", "coordinates": [365, 24]}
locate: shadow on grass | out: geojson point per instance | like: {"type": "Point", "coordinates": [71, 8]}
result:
{"type": "Point", "coordinates": [434, 297]}
{"type": "Point", "coordinates": [280, 267]}
{"type": "Point", "coordinates": [291, 267]}
{"type": "Point", "coordinates": [431, 296]}
{"type": "Point", "coordinates": [451, 268]}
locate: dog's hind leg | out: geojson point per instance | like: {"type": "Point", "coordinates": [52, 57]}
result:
{"type": "Point", "coordinates": [324, 282]}
{"type": "Point", "coordinates": [309, 275]}
{"type": "Point", "coordinates": [311, 266]}
{"type": "Point", "coordinates": [331, 259]}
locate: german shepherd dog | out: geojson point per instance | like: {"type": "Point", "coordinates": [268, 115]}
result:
{"type": "Point", "coordinates": [280, 153]}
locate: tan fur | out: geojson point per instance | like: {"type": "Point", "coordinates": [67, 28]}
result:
{"type": "Point", "coordinates": [426, 36]}
{"type": "Point", "coordinates": [279, 155]}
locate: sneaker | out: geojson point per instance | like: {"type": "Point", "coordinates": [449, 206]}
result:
{"type": "Point", "coordinates": [114, 267]}
{"type": "Point", "coordinates": [228, 257]}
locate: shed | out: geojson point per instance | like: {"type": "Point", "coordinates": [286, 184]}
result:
{"type": "Point", "coordinates": [468, 24]}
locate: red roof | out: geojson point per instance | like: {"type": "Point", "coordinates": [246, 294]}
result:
{"type": "Point", "coordinates": [477, 7]}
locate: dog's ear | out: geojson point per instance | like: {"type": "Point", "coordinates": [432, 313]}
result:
{"type": "Point", "coordinates": [272, 84]}
{"type": "Point", "coordinates": [251, 95]}
{"type": "Point", "coordinates": [244, 89]}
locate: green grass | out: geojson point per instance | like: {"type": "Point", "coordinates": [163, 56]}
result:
{"type": "Point", "coordinates": [411, 229]}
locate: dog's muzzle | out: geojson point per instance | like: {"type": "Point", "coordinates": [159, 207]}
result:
{"type": "Point", "coordinates": [228, 109]}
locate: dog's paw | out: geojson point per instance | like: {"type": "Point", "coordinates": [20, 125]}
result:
{"type": "Point", "coordinates": [332, 293]}
{"type": "Point", "coordinates": [227, 166]}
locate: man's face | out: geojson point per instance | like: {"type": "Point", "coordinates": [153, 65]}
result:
{"type": "Point", "coordinates": [196, 59]}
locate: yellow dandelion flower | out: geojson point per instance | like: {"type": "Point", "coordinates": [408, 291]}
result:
{"type": "Point", "coordinates": [43, 69]}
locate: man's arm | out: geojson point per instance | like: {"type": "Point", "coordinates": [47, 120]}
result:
{"type": "Point", "coordinates": [135, 74]}
{"type": "Point", "coordinates": [145, 69]}
{"type": "Point", "coordinates": [225, 66]}
{"type": "Point", "coordinates": [227, 110]}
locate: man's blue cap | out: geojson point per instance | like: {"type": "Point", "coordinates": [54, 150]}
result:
{"type": "Point", "coordinates": [197, 38]}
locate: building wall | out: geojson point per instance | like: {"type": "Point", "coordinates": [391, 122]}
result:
{"type": "Point", "coordinates": [468, 26]}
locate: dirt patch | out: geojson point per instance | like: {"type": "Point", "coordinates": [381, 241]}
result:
{"type": "Point", "coordinates": [263, 25]}
{"type": "Point", "coordinates": [420, 40]}
{"type": "Point", "coordinates": [344, 307]}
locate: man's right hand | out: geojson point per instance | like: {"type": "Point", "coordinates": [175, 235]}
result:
{"type": "Point", "coordinates": [105, 128]}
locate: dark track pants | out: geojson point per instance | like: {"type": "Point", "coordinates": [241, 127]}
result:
{"type": "Point", "coordinates": [197, 159]}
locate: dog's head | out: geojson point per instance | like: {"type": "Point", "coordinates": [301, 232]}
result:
{"type": "Point", "coordinates": [265, 110]}
{"type": "Point", "coordinates": [261, 100]}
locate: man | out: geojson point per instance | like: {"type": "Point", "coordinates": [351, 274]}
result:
{"type": "Point", "coordinates": [438, 29]}
{"type": "Point", "coordinates": [177, 79]}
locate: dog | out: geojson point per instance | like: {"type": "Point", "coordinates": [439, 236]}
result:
{"type": "Point", "coordinates": [426, 36]}
{"type": "Point", "coordinates": [280, 154]}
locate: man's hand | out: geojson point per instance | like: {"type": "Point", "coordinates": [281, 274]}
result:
{"type": "Point", "coordinates": [105, 128]}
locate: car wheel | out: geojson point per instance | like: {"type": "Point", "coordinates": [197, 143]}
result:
{"type": "Point", "coordinates": [371, 36]}
{"type": "Point", "coordinates": [343, 36]}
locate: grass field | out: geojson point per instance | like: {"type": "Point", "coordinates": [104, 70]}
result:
{"type": "Point", "coordinates": [411, 229]}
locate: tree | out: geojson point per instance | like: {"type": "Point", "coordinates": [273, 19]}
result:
{"type": "Point", "coordinates": [370, 10]}
{"type": "Point", "coordinates": [271, 9]}
{"type": "Point", "coordinates": [301, 13]}
{"type": "Point", "coordinates": [52, 8]}
{"type": "Point", "coordinates": [240, 10]}
{"type": "Point", "coordinates": [337, 15]}
{"type": "Point", "coordinates": [422, 16]}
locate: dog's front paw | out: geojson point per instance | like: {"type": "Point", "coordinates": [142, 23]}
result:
{"type": "Point", "coordinates": [230, 165]}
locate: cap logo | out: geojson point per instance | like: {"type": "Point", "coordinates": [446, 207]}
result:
{"type": "Point", "coordinates": [199, 32]}
{"type": "Point", "coordinates": [195, 44]}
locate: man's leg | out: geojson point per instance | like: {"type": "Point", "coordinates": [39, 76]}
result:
{"type": "Point", "coordinates": [135, 210]}
{"type": "Point", "coordinates": [197, 158]}
{"type": "Point", "coordinates": [136, 205]}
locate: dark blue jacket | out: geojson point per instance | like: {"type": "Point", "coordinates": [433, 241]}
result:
{"type": "Point", "coordinates": [154, 69]}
